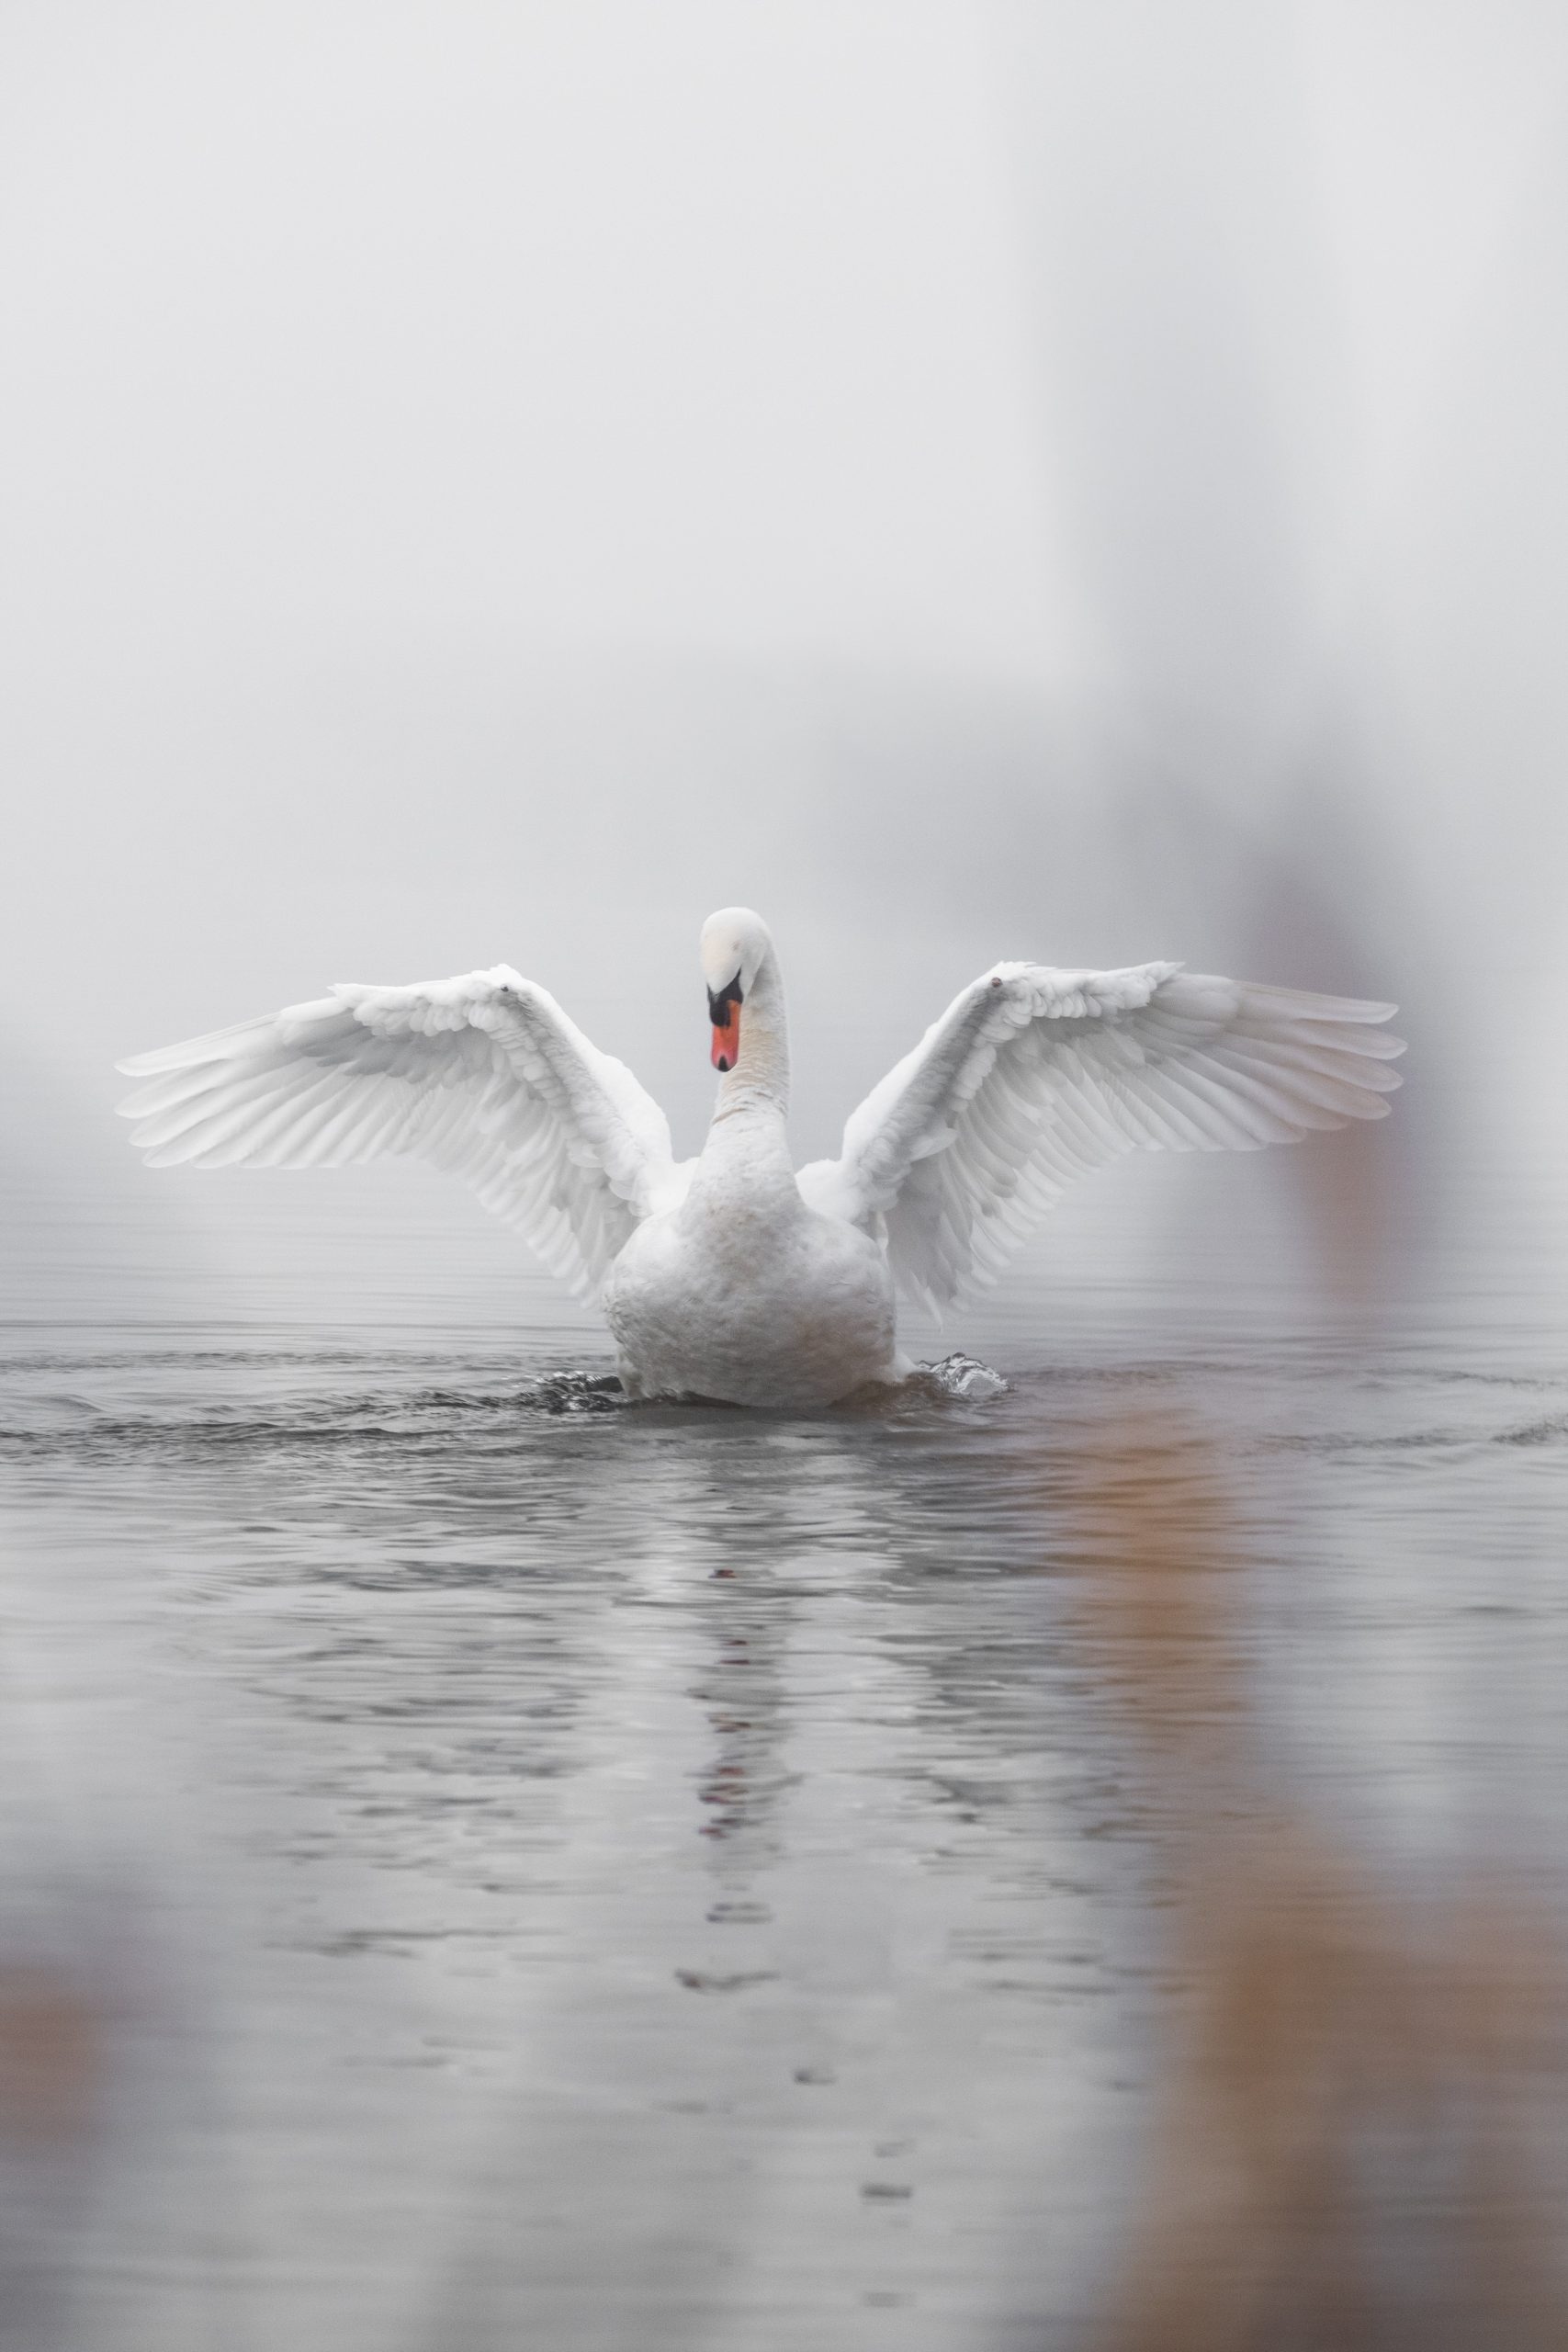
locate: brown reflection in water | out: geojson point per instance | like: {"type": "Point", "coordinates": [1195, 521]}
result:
{"type": "Point", "coordinates": [726, 1785]}
{"type": "Point", "coordinates": [1352, 2141]}
{"type": "Point", "coordinates": [741, 1695]}
{"type": "Point", "coordinates": [51, 2057]}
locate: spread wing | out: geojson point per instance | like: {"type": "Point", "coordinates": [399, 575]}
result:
{"type": "Point", "coordinates": [1033, 1075]}
{"type": "Point", "coordinates": [484, 1075]}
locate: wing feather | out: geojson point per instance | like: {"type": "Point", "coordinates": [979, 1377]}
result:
{"type": "Point", "coordinates": [1034, 1076]}
{"type": "Point", "coordinates": [484, 1075]}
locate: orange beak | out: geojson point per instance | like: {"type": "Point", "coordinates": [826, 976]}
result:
{"type": "Point", "coordinates": [727, 1038]}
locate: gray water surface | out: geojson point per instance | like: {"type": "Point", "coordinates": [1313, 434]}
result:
{"type": "Point", "coordinates": [670, 1877]}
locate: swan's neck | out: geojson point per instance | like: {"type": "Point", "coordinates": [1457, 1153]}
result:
{"type": "Point", "coordinates": [758, 1084]}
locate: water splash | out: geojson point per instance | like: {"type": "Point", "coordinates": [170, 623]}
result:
{"type": "Point", "coordinates": [960, 1376]}
{"type": "Point", "coordinates": [575, 1392]}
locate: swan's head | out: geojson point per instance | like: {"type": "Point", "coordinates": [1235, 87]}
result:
{"type": "Point", "coordinates": [735, 941]}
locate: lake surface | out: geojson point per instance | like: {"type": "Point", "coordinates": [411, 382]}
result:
{"type": "Point", "coordinates": [659, 1878]}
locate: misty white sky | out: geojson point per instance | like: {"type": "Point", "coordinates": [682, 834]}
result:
{"type": "Point", "coordinates": [488, 481]}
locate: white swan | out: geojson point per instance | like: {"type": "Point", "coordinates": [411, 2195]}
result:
{"type": "Point", "coordinates": [731, 1275]}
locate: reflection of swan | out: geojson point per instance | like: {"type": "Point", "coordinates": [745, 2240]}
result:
{"type": "Point", "coordinates": [729, 1276]}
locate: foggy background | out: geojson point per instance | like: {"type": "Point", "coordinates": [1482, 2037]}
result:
{"type": "Point", "coordinates": [483, 482]}
{"type": "Point", "coordinates": [493, 482]}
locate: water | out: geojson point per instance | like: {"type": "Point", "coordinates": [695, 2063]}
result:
{"type": "Point", "coordinates": [676, 1878]}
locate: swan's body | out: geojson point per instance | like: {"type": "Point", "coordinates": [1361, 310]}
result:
{"type": "Point", "coordinates": [732, 1275]}
{"type": "Point", "coordinates": [744, 1292]}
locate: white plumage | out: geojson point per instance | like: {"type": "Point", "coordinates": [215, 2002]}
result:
{"type": "Point", "coordinates": [484, 1075]}
{"type": "Point", "coordinates": [1033, 1075]}
{"type": "Point", "coordinates": [729, 1275]}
